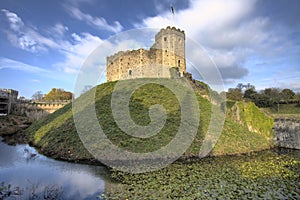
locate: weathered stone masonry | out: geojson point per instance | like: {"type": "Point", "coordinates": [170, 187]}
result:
{"type": "Point", "coordinates": [168, 51]}
{"type": "Point", "coordinates": [287, 133]}
{"type": "Point", "coordinates": [8, 98]}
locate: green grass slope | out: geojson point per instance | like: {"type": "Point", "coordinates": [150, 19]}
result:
{"type": "Point", "coordinates": [284, 109]}
{"type": "Point", "coordinates": [246, 129]}
{"type": "Point", "coordinates": [56, 135]}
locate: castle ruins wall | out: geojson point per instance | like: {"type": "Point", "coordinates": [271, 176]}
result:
{"type": "Point", "coordinates": [168, 51]}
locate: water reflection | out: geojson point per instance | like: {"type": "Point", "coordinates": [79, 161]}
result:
{"type": "Point", "coordinates": [76, 181]}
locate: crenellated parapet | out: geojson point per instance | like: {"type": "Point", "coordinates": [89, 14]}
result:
{"type": "Point", "coordinates": [110, 59]}
{"type": "Point", "coordinates": [169, 30]}
{"type": "Point", "coordinates": [47, 106]}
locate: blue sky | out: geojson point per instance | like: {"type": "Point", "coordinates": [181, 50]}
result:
{"type": "Point", "coordinates": [43, 44]}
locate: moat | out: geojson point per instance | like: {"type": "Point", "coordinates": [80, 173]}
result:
{"type": "Point", "coordinates": [32, 175]}
{"type": "Point", "coordinates": [268, 174]}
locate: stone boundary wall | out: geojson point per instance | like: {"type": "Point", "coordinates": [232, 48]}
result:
{"type": "Point", "coordinates": [38, 109]}
{"type": "Point", "coordinates": [48, 106]}
{"type": "Point", "coordinates": [287, 132]}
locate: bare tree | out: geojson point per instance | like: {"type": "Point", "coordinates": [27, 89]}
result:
{"type": "Point", "coordinates": [38, 96]}
{"type": "Point", "coordinates": [86, 88]}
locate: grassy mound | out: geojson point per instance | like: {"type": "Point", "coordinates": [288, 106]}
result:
{"type": "Point", "coordinates": [57, 137]}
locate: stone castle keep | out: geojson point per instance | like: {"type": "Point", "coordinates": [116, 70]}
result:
{"type": "Point", "coordinates": [167, 52]}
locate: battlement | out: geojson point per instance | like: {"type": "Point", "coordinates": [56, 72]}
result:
{"type": "Point", "coordinates": [167, 31]}
{"type": "Point", "coordinates": [111, 58]}
{"type": "Point", "coordinates": [173, 28]}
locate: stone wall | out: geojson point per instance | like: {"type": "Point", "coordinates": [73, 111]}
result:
{"type": "Point", "coordinates": [36, 110]}
{"type": "Point", "coordinates": [8, 98]}
{"type": "Point", "coordinates": [168, 51]}
{"type": "Point", "coordinates": [287, 132]}
{"type": "Point", "coordinates": [50, 107]}
{"type": "Point", "coordinates": [170, 43]}
{"type": "Point", "coordinates": [4, 101]}
{"type": "Point", "coordinates": [29, 110]}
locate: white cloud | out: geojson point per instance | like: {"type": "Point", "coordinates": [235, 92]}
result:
{"type": "Point", "coordinates": [59, 29]}
{"type": "Point", "coordinates": [6, 63]}
{"type": "Point", "coordinates": [82, 52]}
{"type": "Point", "coordinates": [226, 29]}
{"type": "Point", "coordinates": [25, 42]}
{"type": "Point", "coordinates": [25, 37]}
{"type": "Point", "coordinates": [75, 54]}
{"type": "Point", "coordinates": [15, 21]}
{"type": "Point", "coordinates": [43, 41]}
{"type": "Point", "coordinates": [76, 37]}
{"type": "Point", "coordinates": [98, 22]}
{"type": "Point", "coordinates": [204, 15]}
{"type": "Point", "coordinates": [247, 34]}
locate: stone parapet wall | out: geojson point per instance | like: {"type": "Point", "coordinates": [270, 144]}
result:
{"type": "Point", "coordinates": [49, 106]}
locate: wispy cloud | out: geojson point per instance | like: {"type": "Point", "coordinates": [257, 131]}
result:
{"type": "Point", "coordinates": [58, 30]}
{"type": "Point", "coordinates": [75, 55]}
{"type": "Point", "coordinates": [35, 81]}
{"type": "Point", "coordinates": [98, 22]}
{"type": "Point", "coordinates": [6, 63]}
{"type": "Point", "coordinates": [74, 51]}
{"type": "Point", "coordinates": [25, 37]}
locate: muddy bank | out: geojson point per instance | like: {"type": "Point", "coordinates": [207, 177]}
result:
{"type": "Point", "coordinates": [65, 154]}
{"type": "Point", "coordinates": [12, 129]}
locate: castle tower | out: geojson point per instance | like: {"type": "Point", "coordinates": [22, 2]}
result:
{"type": "Point", "coordinates": [170, 45]}
{"type": "Point", "coordinates": [168, 51]}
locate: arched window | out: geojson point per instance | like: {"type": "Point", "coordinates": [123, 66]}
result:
{"type": "Point", "coordinates": [130, 72]}
{"type": "Point", "coordinates": [178, 63]}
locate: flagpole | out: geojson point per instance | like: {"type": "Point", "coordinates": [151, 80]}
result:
{"type": "Point", "coordinates": [173, 11]}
